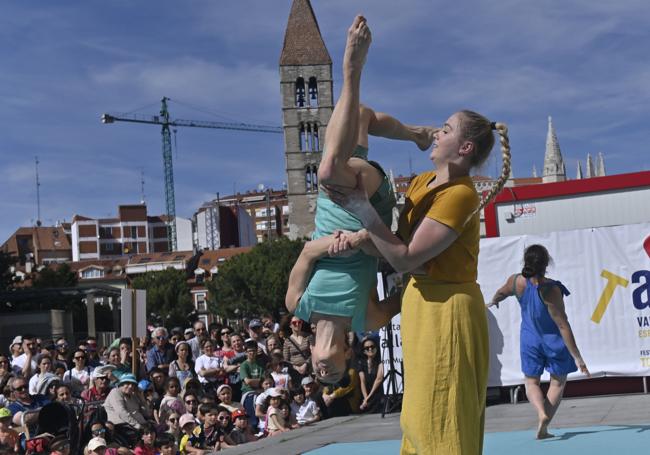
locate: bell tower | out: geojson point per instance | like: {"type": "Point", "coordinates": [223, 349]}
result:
{"type": "Point", "coordinates": [307, 104]}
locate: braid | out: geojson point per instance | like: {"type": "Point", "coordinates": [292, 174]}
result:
{"type": "Point", "coordinates": [502, 129]}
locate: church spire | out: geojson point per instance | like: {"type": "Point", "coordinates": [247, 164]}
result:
{"type": "Point", "coordinates": [600, 165]}
{"type": "Point", "coordinates": [534, 171]}
{"type": "Point", "coordinates": [579, 172]}
{"type": "Point", "coordinates": [303, 43]}
{"type": "Point", "coordinates": [554, 170]}
{"type": "Point", "coordinates": [590, 167]}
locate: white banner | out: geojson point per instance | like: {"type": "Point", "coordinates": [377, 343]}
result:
{"type": "Point", "coordinates": [607, 271]}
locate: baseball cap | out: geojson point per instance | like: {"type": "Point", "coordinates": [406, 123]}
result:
{"type": "Point", "coordinates": [274, 392]}
{"type": "Point", "coordinates": [125, 378]}
{"type": "Point", "coordinates": [144, 384]}
{"type": "Point", "coordinates": [238, 413]}
{"type": "Point", "coordinates": [96, 443]}
{"type": "Point", "coordinates": [102, 372]}
{"type": "Point", "coordinates": [307, 380]}
{"type": "Point", "coordinates": [4, 413]}
{"type": "Point", "coordinates": [185, 419]}
{"type": "Point", "coordinates": [189, 331]}
{"type": "Point", "coordinates": [255, 323]}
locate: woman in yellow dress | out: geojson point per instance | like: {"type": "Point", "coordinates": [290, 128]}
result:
{"type": "Point", "coordinates": [443, 325]}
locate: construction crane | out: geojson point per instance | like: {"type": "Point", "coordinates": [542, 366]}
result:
{"type": "Point", "coordinates": [164, 120]}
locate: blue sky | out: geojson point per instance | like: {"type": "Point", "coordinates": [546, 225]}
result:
{"type": "Point", "coordinates": [64, 63]}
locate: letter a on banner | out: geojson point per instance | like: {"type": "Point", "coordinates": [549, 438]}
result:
{"type": "Point", "coordinates": [134, 313]}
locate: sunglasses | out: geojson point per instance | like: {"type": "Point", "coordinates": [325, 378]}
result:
{"type": "Point", "coordinates": [79, 358]}
{"type": "Point", "coordinates": [191, 402]}
{"type": "Point", "coordinates": [296, 322]}
{"type": "Point", "coordinates": [103, 378]}
{"type": "Point", "coordinates": [20, 388]}
{"type": "Point", "coordinates": [226, 332]}
{"type": "Point", "coordinates": [369, 348]}
{"type": "Point", "coordinates": [222, 418]}
{"type": "Point", "coordinates": [161, 338]}
{"type": "Point", "coordinates": [99, 431]}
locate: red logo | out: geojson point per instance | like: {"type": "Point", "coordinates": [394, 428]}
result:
{"type": "Point", "coordinates": [646, 246]}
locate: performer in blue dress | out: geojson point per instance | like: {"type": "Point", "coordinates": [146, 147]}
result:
{"type": "Point", "coordinates": [546, 339]}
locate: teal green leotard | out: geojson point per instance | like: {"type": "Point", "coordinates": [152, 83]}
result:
{"type": "Point", "coordinates": [341, 286]}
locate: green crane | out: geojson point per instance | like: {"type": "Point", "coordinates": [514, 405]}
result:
{"type": "Point", "coordinates": [164, 120]}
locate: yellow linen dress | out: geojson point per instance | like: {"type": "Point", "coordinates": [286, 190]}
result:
{"type": "Point", "coordinates": [444, 328]}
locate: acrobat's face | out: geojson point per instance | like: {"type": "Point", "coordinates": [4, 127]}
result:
{"type": "Point", "coordinates": [446, 142]}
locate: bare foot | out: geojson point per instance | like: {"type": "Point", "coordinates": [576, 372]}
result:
{"type": "Point", "coordinates": [356, 47]}
{"type": "Point", "coordinates": [424, 137]}
{"type": "Point", "coordinates": [542, 428]}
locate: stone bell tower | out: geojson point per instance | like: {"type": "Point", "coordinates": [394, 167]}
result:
{"type": "Point", "coordinates": [307, 104]}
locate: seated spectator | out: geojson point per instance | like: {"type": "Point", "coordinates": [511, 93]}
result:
{"type": "Point", "coordinates": [224, 394]}
{"type": "Point", "coordinates": [158, 376]}
{"type": "Point", "coordinates": [96, 446]}
{"type": "Point", "coordinates": [59, 369]}
{"type": "Point", "coordinates": [171, 402]}
{"type": "Point", "coordinates": [25, 363]}
{"type": "Point", "coordinates": [43, 366]}
{"type": "Point", "coordinates": [9, 438]}
{"type": "Point", "coordinates": [146, 391]}
{"type": "Point", "coordinates": [273, 344]}
{"type": "Point", "coordinates": [212, 432]}
{"type": "Point", "coordinates": [241, 432]}
{"type": "Point", "coordinates": [100, 384]}
{"type": "Point", "coordinates": [161, 354]}
{"type": "Point", "coordinates": [165, 444]}
{"type": "Point", "coordinates": [259, 420]}
{"type": "Point", "coordinates": [92, 353]}
{"type": "Point", "coordinates": [191, 403]}
{"type": "Point", "coordinates": [16, 348]}
{"type": "Point", "coordinates": [344, 397]}
{"type": "Point", "coordinates": [78, 377]}
{"type": "Point", "coordinates": [145, 445]}
{"type": "Point", "coordinates": [279, 373]}
{"type": "Point", "coordinates": [231, 364]}
{"type": "Point", "coordinates": [64, 394]}
{"type": "Point", "coordinates": [296, 348]}
{"type": "Point", "coordinates": [23, 401]}
{"type": "Point", "coordinates": [174, 427]}
{"type": "Point", "coordinates": [60, 445]}
{"type": "Point", "coordinates": [209, 367]}
{"type": "Point", "coordinates": [371, 376]}
{"type": "Point", "coordinates": [183, 367]}
{"type": "Point", "coordinates": [305, 409]}
{"type": "Point", "coordinates": [190, 442]}
{"type": "Point", "coordinates": [61, 350]}
{"type": "Point", "coordinates": [288, 415]}
{"type": "Point", "coordinates": [251, 371]}
{"type": "Point", "coordinates": [226, 351]}
{"type": "Point", "coordinates": [188, 334]}
{"type": "Point", "coordinates": [275, 421]}
{"type": "Point", "coordinates": [5, 375]}
{"type": "Point", "coordinates": [123, 406]}
{"type": "Point", "coordinates": [47, 386]}
{"type": "Point", "coordinates": [314, 392]}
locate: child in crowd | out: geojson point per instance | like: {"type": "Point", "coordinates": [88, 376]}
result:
{"type": "Point", "coordinates": [146, 444]}
{"type": "Point", "coordinates": [260, 404]}
{"type": "Point", "coordinates": [275, 421]}
{"type": "Point", "coordinates": [171, 401]}
{"type": "Point", "coordinates": [211, 433]}
{"type": "Point", "coordinates": [305, 409]}
{"type": "Point", "coordinates": [289, 417]}
{"type": "Point", "coordinates": [8, 438]}
{"type": "Point", "coordinates": [241, 433]}
{"type": "Point", "coordinates": [224, 393]}
{"type": "Point", "coordinates": [190, 443]}
{"type": "Point", "coordinates": [280, 377]}
{"type": "Point", "coordinates": [165, 444]}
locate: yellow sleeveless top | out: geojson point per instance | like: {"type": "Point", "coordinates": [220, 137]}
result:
{"type": "Point", "coordinates": [451, 204]}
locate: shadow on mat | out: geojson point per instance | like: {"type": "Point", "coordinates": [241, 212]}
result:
{"type": "Point", "coordinates": [572, 434]}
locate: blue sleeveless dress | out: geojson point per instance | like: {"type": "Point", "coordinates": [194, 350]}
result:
{"type": "Point", "coordinates": [542, 346]}
{"type": "Point", "coordinates": [341, 286]}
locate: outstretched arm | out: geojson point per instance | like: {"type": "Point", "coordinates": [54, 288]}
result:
{"type": "Point", "coordinates": [503, 292]}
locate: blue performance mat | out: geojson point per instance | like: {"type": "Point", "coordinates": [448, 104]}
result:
{"type": "Point", "coordinates": [603, 440]}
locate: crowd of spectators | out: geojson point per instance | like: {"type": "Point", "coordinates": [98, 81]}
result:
{"type": "Point", "coordinates": [189, 390]}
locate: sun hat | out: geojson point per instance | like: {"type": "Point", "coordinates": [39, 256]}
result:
{"type": "Point", "coordinates": [103, 371]}
{"type": "Point", "coordinates": [274, 392]}
{"type": "Point", "coordinates": [126, 378]}
{"type": "Point", "coordinates": [16, 340]}
{"type": "Point", "coordinates": [96, 443]}
{"type": "Point", "coordinates": [185, 419]}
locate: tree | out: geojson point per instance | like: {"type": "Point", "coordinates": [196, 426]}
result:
{"type": "Point", "coordinates": [168, 296]}
{"type": "Point", "coordinates": [6, 276]}
{"type": "Point", "coordinates": [60, 277]}
{"type": "Point", "coordinates": [255, 282]}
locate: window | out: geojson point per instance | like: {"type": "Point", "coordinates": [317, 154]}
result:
{"type": "Point", "coordinates": [309, 141]}
{"type": "Point", "coordinates": [105, 232]}
{"type": "Point", "coordinates": [109, 246]}
{"type": "Point", "coordinates": [92, 273]}
{"type": "Point", "coordinates": [313, 92]}
{"type": "Point", "coordinates": [300, 92]}
{"type": "Point", "coordinates": [201, 304]}
{"type": "Point", "coordinates": [311, 179]}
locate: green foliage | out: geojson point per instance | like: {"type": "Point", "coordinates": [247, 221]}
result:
{"type": "Point", "coordinates": [168, 297]}
{"type": "Point", "coordinates": [6, 277]}
{"type": "Point", "coordinates": [256, 282]}
{"type": "Point", "coordinates": [61, 277]}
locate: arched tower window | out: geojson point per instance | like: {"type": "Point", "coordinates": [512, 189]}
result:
{"type": "Point", "coordinates": [313, 92]}
{"type": "Point", "coordinates": [300, 92]}
{"type": "Point", "coordinates": [309, 140]}
{"type": "Point", "coordinates": [311, 178]}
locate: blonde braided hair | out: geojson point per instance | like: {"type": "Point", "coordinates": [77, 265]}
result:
{"type": "Point", "coordinates": [478, 129]}
{"type": "Point", "coordinates": [502, 130]}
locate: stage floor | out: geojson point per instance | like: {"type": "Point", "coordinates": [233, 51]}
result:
{"type": "Point", "coordinates": [600, 425]}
